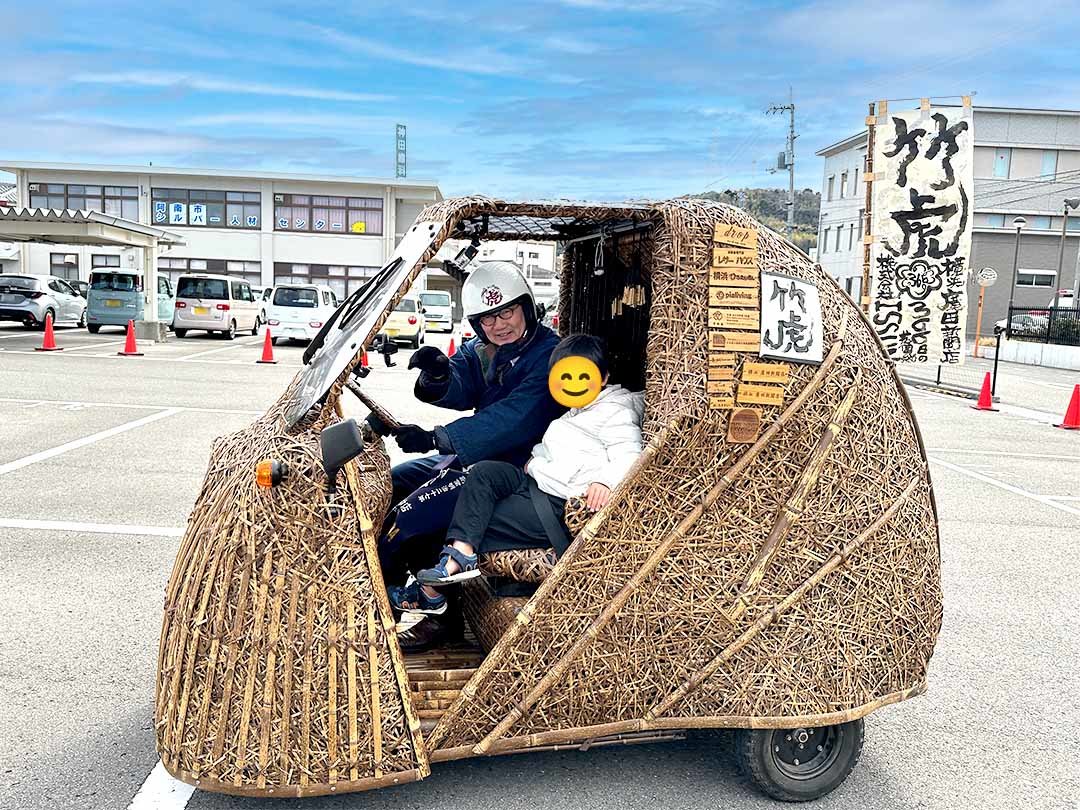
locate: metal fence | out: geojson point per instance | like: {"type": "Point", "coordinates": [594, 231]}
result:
{"type": "Point", "coordinates": [964, 379]}
{"type": "Point", "coordinates": [1060, 325]}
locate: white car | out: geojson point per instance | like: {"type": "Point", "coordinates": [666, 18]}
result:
{"type": "Point", "coordinates": [438, 310]}
{"type": "Point", "coordinates": [298, 311]}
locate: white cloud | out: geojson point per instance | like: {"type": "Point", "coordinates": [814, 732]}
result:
{"type": "Point", "coordinates": [184, 81]}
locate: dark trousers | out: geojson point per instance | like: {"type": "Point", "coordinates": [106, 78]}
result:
{"type": "Point", "coordinates": [409, 476]}
{"type": "Point", "coordinates": [495, 510]}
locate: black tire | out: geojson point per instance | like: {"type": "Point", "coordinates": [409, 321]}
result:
{"type": "Point", "coordinates": [415, 342]}
{"type": "Point", "coordinates": [230, 333]}
{"type": "Point", "coordinates": [94, 328]}
{"type": "Point", "coordinates": [255, 328]}
{"type": "Point", "coordinates": [82, 320]}
{"type": "Point", "coordinates": [179, 332]}
{"type": "Point", "coordinates": [273, 340]}
{"type": "Point", "coordinates": [44, 320]}
{"type": "Point", "coordinates": [768, 757]}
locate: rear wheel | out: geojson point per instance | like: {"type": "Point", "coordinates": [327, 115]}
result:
{"type": "Point", "coordinates": [255, 328]}
{"type": "Point", "coordinates": [82, 320]}
{"type": "Point", "coordinates": [48, 313]}
{"type": "Point", "coordinates": [415, 342]}
{"type": "Point", "coordinates": [230, 333]}
{"type": "Point", "coordinates": [179, 332]}
{"type": "Point", "coordinates": [273, 340]}
{"type": "Point", "coordinates": [798, 765]}
{"type": "Point", "coordinates": [94, 328]}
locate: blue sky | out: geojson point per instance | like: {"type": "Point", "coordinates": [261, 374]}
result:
{"type": "Point", "coordinates": [588, 99]}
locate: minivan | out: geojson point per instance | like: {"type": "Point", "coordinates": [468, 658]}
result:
{"type": "Point", "coordinates": [298, 311]}
{"type": "Point", "coordinates": [215, 304]}
{"type": "Point", "coordinates": [438, 310]}
{"type": "Point", "coordinates": [115, 297]}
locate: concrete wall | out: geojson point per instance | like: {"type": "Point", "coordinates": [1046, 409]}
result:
{"type": "Point", "coordinates": [1036, 354]}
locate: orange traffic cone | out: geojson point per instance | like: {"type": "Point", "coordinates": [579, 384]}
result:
{"type": "Point", "coordinates": [48, 341]}
{"type": "Point", "coordinates": [986, 402]}
{"type": "Point", "coordinates": [1072, 413]}
{"type": "Point", "coordinates": [268, 349]}
{"type": "Point", "coordinates": [452, 350]}
{"type": "Point", "coordinates": [130, 350]}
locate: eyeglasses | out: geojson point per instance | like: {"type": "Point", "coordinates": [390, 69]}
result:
{"type": "Point", "coordinates": [502, 315]}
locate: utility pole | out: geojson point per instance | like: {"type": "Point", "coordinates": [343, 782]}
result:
{"type": "Point", "coordinates": [787, 158]}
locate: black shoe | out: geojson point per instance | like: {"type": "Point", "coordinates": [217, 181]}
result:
{"type": "Point", "coordinates": [430, 632]}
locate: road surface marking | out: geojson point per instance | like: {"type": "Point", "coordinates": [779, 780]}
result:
{"type": "Point", "coordinates": [52, 452]}
{"type": "Point", "coordinates": [233, 345]}
{"type": "Point", "coordinates": [1013, 410]}
{"type": "Point", "coordinates": [1046, 500]}
{"type": "Point", "coordinates": [94, 345]}
{"type": "Point", "coordinates": [114, 356]}
{"type": "Point", "coordinates": [1000, 453]}
{"type": "Point", "coordinates": [34, 402]}
{"type": "Point", "coordinates": [90, 528]}
{"type": "Point", "coordinates": [161, 791]}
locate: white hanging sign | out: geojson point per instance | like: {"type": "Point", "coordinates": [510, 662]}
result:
{"type": "Point", "coordinates": [161, 211]}
{"type": "Point", "coordinates": [198, 214]}
{"type": "Point", "coordinates": [790, 319]}
{"type": "Point", "coordinates": [177, 213]}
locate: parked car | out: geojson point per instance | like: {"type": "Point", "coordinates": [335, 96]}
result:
{"type": "Point", "coordinates": [1026, 324]}
{"type": "Point", "coordinates": [438, 310]}
{"type": "Point", "coordinates": [298, 311]}
{"type": "Point", "coordinates": [80, 286]}
{"type": "Point", "coordinates": [116, 296]}
{"type": "Point", "coordinates": [406, 323]}
{"type": "Point", "coordinates": [262, 297]}
{"type": "Point", "coordinates": [215, 304]}
{"type": "Point", "coordinates": [29, 297]}
{"type": "Point", "coordinates": [465, 331]}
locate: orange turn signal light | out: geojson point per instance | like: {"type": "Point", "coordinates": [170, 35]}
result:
{"type": "Point", "coordinates": [269, 473]}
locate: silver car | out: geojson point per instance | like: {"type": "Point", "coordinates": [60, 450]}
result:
{"type": "Point", "coordinates": [29, 297]}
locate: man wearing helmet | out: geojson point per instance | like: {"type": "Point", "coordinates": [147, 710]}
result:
{"type": "Point", "coordinates": [501, 375]}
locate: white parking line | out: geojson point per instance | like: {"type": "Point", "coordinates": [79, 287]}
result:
{"type": "Point", "coordinates": [90, 528]}
{"type": "Point", "coordinates": [75, 404]}
{"type": "Point", "coordinates": [234, 344]}
{"type": "Point", "coordinates": [94, 345]}
{"type": "Point", "coordinates": [52, 452]}
{"type": "Point", "coordinates": [1000, 453]}
{"type": "Point", "coordinates": [1046, 500]}
{"type": "Point", "coordinates": [161, 791]}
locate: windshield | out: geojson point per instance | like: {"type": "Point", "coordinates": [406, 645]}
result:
{"type": "Point", "coordinates": [296, 297]}
{"type": "Point", "coordinates": [435, 299]}
{"type": "Point", "coordinates": [18, 282]}
{"type": "Point", "coordinates": [115, 282]}
{"type": "Point", "coordinates": [212, 288]}
{"type": "Point", "coordinates": [405, 305]}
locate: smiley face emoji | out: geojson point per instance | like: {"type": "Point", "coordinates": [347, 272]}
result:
{"type": "Point", "coordinates": [574, 381]}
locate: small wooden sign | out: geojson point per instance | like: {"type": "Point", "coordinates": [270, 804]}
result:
{"type": "Point", "coordinates": [734, 277]}
{"type": "Point", "coordinates": [725, 388]}
{"type": "Point", "coordinates": [737, 235]}
{"type": "Point", "coordinates": [750, 394]}
{"type": "Point", "coordinates": [722, 373]}
{"type": "Point", "coordinates": [744, 426]}
{"type": "Point", "coordinates": [766, 372]}
{"type": "Point", "coordinates": [734, 318]}
{"type": "Point", "coordinates": [734, 257]}
{"type": "Point", "coordinates": [733, 297]}
{"type": "Point", "coordinates": [734, 341]}
{"type": "Point", "coordinates": [721, 359]}
{"type": "Point", "coordinates": [721, 403]}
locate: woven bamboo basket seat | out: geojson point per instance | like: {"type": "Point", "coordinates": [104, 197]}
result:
{"type": "Point", "coordinates": [489, 615]}
{"type": "Point", "coordinates": [530, 565]}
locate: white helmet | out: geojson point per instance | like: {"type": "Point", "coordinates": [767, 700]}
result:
{"type": "Point", "coordinates": [493, 286]}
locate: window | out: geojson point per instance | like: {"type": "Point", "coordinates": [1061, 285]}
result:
{"type": "Point", "coordinates": [296, 297]}
{"type": "Point", "coordinates": [342, 280]}
{"type": "Point", "coordinates": [1039, 223]}
{"type": "Point", "coordinates": [64, 265]}
{"type": "Point", "coordinates": [116, 282]}
{"type": "Point", "coordinates": [104, 260]}
{"type": "Point", "coordinates": [990, 220]}
{"type": "Point", "coordinates": [194, 287]}
{"type": "Point", "coordinates": [1049, 163]}
{"type": "Point", "coordinates": [843, 184]}
{"type": "Point", "coordinates": [172, 269]}
{"type": "Point", "coordinates": [435, 299]}
{"type": "Point", "coordinates": [825, 241]}
{"type": "Point", "coordinates": [862, 222]}
{"type": "Point", "coordinates": [117, 201]}
{"type": "Point", "coordinates": [323, 214]}
{"type": "Point", "coordinates": [163, 286]}
{"type": "Point", "coordinates": [851, 236]}
{"type": "Point", "coordinates": [1002, 159]}
{"type": "Point", "coordinates": [1036, 278]}
{"type": "Point", "coordinates": [56, 285]}
{"type": "Point", "coordinates": [533, 255]}
{"type": "Point", "coordinates": [855, 182]}
{"type": "Point", "coordinates": [829, 192]}
{"type": "Point", "coordinates": [405, 305]}
{"type": "Point", "coordinates": [206, 209]}
{"type": "Point", "coordinates": [838, 231]}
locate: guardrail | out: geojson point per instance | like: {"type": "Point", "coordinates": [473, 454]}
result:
{"type": "Point", "coordinates": [1059, 325]}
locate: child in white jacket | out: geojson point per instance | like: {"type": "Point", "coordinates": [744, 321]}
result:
{"type": "Point", "coordinates": [587, 451]}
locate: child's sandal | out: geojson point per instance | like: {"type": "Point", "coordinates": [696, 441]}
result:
{"type": "Point", "coordinates": [437, 576]}
{"type": "Point", "coordinates": [412, 599]}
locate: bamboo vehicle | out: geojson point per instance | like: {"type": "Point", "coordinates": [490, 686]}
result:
{"type": "Point", "coordinates": [772, 568]}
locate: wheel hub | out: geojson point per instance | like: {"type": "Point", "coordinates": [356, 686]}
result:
{"type": "Point", "coordinates": [803, 753]}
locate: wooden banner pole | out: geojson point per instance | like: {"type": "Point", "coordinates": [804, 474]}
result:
{"type": "Point", "coordinates": [868, 177]}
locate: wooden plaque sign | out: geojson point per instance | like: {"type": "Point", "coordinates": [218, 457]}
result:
{"type": "Point", "coordinates": [734, 341]}
{"type": "Point", "coordinates": [766, 372]}
{"type": "Point", "coordinates": [735, 235]}
{"type": "Point", "coordinates": [734, 257]}
{"type": "Point", "coordinates": [734, 277]}
{"type": "Point", "coordinates": [721, 359]}
{"type": "Point", "coordinates": [744, 426]}
{"type": "Point", "coordinates": [760, 394]}
{"type": "Point", "coordinates": [722, 373]}
{"type": "Point", "coordinates": [724, 388]}
{"type": "Point", "coordinates": [733, 297]}
{"type": "Point", "coordinates": [734, 318]}
{"type": "Point", "coordinates": [721, 403]}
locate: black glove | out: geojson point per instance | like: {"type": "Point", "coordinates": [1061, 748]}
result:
{"type": "Point", "coordinates": [434, 379]}
{"type": "Point", "coordinates": [377, 425]}
{"type": "Point", "coordinates": [414, 439]}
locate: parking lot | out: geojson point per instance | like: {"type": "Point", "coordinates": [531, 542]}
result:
{"type": "Point", "coordinates": [101, 458]}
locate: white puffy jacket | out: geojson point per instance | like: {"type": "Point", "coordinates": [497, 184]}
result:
{"type": "Point", "coordinates": [594, 444]}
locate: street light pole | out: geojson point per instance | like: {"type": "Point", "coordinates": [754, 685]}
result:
{"type": "Point", "coordinates": [1069, 202]}
{"type": "Point", "coordinates": [1018, 223]}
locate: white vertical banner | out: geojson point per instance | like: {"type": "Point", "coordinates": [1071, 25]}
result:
{"type": "Point", "coordinates": [923, 206]}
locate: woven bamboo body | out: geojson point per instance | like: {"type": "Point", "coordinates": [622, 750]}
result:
{"type": "Point", "coordinates": [791, 580]}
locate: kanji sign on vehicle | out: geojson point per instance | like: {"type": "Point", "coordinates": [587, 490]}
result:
{"type": "Point", "coordinates": [790, 319]}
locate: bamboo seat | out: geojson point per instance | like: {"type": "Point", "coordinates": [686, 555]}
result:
{"type": "Point", "coordinates": [489, 614]}
{"type": "Point", "coordinates": [530, 565]}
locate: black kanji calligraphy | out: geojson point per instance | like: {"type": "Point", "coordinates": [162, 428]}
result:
{"type": "Point", "coordinates": [905, 140]}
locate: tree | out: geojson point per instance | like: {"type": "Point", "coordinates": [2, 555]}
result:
{"type": "Point", "coordinates": [769, 206]}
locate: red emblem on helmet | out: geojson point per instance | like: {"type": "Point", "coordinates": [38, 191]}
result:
{"type": "Point", "coordinates": [491, 296]}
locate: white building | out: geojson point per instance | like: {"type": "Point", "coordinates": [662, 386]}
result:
{"type": "Point", "coordinates": [260, 226]}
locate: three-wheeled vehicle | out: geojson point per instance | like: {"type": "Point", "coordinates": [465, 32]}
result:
{"type": "Point", "coordinates": [770, 564]}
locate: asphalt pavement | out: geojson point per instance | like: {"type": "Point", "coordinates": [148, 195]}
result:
{"type": "Point", "coordinates": [101, 458]}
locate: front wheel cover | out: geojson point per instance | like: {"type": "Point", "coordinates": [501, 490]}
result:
{"type": "Point", "coordinates": [797, 765]}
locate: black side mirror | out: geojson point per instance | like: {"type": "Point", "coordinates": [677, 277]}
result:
{"type": "Point", "coordinates": [340, 443]}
